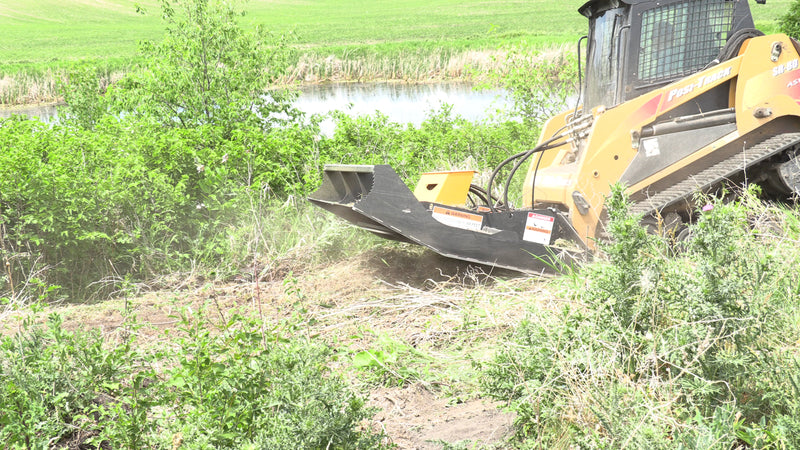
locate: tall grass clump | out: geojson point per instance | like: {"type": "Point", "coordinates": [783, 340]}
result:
{"type": "Point", "coordinates": [25, 87]}
{"type": "Point", "coordinates": [405, 62]}
{"type": "Point", "coordinates": [695, 347]}
{"type": "Point", "coordinates": [27, 83]}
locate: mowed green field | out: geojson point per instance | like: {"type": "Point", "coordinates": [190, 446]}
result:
{"type": "Point", "coordinates": [36, 31]}
{"type": "Point", "coordinates": [59, 31]}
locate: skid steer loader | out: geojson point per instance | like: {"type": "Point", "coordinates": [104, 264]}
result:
{"type": "Point", "coordinates": [678, 96]}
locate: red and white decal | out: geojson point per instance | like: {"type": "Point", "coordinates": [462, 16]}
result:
{"type": "Point", "coordinates": [538, 228]}
{"type": "Point", "coordinates": [458, 219]}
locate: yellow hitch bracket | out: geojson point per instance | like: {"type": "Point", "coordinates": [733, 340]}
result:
{"type": "Point", "coordinates": [446, 188]}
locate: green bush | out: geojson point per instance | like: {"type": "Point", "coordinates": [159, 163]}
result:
{"type": "Point", "coordinates": [665, 347]}
{"type": "Point", "coordinates": [207, 70]}
{"type": "Point", "coordinates": [52, 381]}
{"type": "Point", "coordinates": [443, 141]}
{"type": "Point", "coordinates": [130, 198]}
{"type": "Point", "coordinates": [790, 22]}
{"type": "Point", "coordinates": [243, 387]}
{"type": "Point", "coordinates": [539, 85]}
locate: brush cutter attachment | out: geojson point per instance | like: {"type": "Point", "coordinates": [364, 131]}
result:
{"type": "Point", "coordinates": [376, 199]}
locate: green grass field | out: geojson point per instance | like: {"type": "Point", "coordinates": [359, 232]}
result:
{"type": "Point", "coordinates": [369, 39]}
{"type": "Point", "coordinates": [53, 31]}
{"type": "Point", "coordinates": [46, 31]}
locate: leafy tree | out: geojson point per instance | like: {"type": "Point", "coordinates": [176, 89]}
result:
{"type": "Point", "coordinates": [790, 22]}
{"type": "Point", "coordinates": [207, 70]}
{"type": "Point", "coordinates": [540, 86]}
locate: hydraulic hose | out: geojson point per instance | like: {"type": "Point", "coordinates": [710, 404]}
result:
{"type": "Point", "coordinates": [546, 145]}
{"type": "Point", "coordinates": [521, 161]}
{"type": "Point", "coordinates": [496, 171]}
{"type": "Point", "coordinates": [533, 184]}
{"type": "Point", "coordinates": [735, 42]}
{"type": "Point", "coordinates": [482, 195]}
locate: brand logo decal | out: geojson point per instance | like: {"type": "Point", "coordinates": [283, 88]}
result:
{"type": "Point", "coordinates": [701, 83]}
{"type": "Point", "coordinates": [783, 68]}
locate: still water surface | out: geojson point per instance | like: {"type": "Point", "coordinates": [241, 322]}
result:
{"type": "Point", "coordinates": [400, 102]}
{"type": "Point", "coordinates": [47, 113]}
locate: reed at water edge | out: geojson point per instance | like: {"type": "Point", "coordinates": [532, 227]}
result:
{"type": "Point", "coordinates": [39, 84]}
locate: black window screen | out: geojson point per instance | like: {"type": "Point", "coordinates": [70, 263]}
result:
{"type": "Point", "coordinates": [682, 38]}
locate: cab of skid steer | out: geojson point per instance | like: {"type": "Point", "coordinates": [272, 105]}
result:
{"type": "Point", "coordinates": [636, 46]}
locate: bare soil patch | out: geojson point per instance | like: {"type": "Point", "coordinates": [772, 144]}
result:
{"type": "Point", "coordinates": [415, 418]}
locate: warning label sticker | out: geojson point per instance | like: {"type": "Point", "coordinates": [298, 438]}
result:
{"type": "Point", "coordinates": [458, 219]}
{"type": "Point", "coordinates": [538, 228]}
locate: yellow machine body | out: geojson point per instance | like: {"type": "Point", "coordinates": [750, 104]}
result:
{"type": "Point", "coordinates": [762, 89]}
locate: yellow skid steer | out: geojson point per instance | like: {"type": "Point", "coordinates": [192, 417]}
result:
{"type": "Point", "coordinates": [677, 96]}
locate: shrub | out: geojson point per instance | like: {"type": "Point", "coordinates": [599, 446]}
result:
{"type": "Point", "coordinates": [131, 199]}
{"type": "Point", "coordinates": [244, 387]}
{"type": "Point", "coordinates": [443, 141]}
{"type": "Point", "coordinates": [540, 86]}
{"type": "Point", "coordinates": [664, 348]}
{"type": "Point", "coordinates": [790, 22]}
{"type": "Point", "coordinates": [241, 388]}
{"type": "Point", "coordinates": [52, 380]}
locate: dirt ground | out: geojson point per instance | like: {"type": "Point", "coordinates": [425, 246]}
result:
{"type": "Point", "coordinates": [415, 418]}
{"type": "Point", "coordinates": [450, 312]}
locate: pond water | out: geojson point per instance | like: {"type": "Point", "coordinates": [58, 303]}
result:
{"type": "Point", "coordinates": [47, 113]}
{"type": "Point", "coordinates": [401, 102]}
